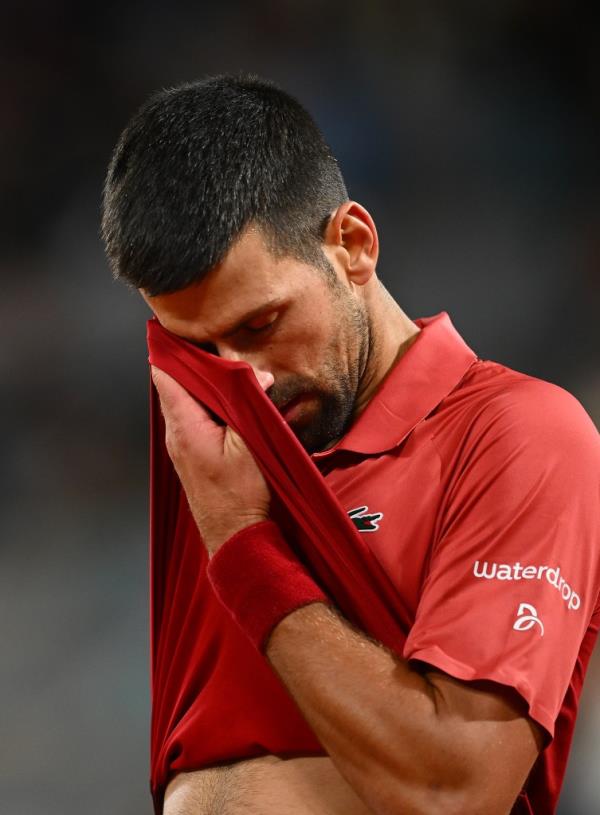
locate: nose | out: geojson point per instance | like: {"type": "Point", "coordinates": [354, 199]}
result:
{"type": "Point", "coordinates": [264, 376]}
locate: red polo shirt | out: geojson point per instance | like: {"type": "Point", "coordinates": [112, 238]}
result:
{"type": "Point", "coordinates": [485, 497]}
{"type": "Point", "coordinates": [476, 489]}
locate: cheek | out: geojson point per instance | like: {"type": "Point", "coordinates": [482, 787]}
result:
{"type": "Point", "coordinates": [305, 349]}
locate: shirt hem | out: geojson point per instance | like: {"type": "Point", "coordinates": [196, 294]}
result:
{"type": "Point", "coordinates": [435, 656]}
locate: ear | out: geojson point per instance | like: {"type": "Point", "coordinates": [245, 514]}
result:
{"type": "Point", "coordinates": [352, 237]}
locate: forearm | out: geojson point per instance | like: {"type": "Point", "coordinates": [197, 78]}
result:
{"type": "Point", "coordinates": [377, 718]}
{"type": "Point", "coordinates": [406, 742]}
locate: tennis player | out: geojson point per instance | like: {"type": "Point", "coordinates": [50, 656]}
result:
{"type": "Point", "coordinates": [474, 486]}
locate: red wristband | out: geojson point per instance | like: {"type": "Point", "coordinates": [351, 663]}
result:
{"type": "Point", "coordinates": [259, 580]}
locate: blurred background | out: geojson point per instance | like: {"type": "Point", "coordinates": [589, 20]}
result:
{"type": "Point", "coordinates": [469, 129]}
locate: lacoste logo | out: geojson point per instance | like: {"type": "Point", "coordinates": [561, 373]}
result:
{"type": "Point", "coordinates": [365, 522]}
{"type": "Point", "coordinates": [527, 617]}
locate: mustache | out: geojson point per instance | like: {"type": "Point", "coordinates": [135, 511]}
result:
{"type": "Point", "coordinates": [282, 393]}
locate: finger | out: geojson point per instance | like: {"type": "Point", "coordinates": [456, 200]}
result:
{"type": "Point", "coordinates": [178, 406]}
{"type": "Point", "coordinates": [169, 390]}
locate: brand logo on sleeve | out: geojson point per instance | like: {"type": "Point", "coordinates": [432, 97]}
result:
{"type": "Point", "coordinates": [515, 571]}
{"type": "Point", "coordinates": [364, 521]}
{"type": "Point", "coordinates": [527, 618]}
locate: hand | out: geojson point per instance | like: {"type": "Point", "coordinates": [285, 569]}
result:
{"type": "Point", "coordinates": [225, 489]}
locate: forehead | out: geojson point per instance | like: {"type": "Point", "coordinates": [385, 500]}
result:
{"type": "Point", "coordinates": [250, 277]}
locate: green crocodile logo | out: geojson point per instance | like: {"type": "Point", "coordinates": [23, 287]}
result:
{"type": "Point", "coordinates": [365, 522]}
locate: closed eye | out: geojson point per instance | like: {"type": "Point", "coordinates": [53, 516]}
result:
{"type": "Point", "coordinates": [262, 323]}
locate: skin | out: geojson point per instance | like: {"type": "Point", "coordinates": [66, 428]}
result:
{"type": "Point", "coordinates": [457, 747]}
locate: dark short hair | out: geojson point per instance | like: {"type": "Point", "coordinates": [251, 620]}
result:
{"type": "Point", "coordinates": [200, 162]}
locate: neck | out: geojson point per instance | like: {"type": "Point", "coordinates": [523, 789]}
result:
{"type": "Point", "coordinates": [392, 334]}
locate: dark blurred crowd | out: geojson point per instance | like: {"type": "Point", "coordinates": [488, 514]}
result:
{"type": "Point", "coordinates": [470, 131]}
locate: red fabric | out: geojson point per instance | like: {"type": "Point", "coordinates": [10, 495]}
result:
{"type": "Point", "coordinates": [518, 555]}
{"type": "Point", "coordinates": [259, 580]}
{"type": "Point", "coordinates": [214, 698]}
{"type": "Point", "coordinates": [445, 465]}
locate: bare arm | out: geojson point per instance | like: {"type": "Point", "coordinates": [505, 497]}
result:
{"type": "Point", "coordinates": [407, 742]}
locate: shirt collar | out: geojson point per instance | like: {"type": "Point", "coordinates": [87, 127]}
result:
{"type": "Point", "coordinates": [432, 367]}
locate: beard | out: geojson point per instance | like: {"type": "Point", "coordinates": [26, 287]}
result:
{"type": "Point", "coordinates": [326, 415]}
{"type": "Point", "coordinates": [331, 394]}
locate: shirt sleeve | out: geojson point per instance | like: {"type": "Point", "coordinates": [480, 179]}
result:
{"type": "Point", "coordinates": [514, 574]}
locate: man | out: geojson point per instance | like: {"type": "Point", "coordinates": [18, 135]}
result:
{"type": "Point", "coordinates": [477, 486]}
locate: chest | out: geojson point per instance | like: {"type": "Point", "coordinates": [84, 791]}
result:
{"type": "Point", "coordinates": [395, 501]}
